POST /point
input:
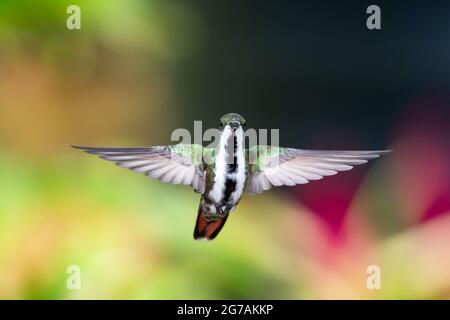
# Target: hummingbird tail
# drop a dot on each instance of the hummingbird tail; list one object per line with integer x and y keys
{"x": 207, "y": 229}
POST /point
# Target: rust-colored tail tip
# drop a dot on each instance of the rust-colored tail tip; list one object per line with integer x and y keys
{"x": 208, "y": 230}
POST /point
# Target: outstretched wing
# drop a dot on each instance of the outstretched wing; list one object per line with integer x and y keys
{"x": 177, "y": 164}
{"x": 273, "y": 166}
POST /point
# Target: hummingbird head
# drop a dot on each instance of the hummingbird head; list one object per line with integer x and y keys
{"x": 233, "y": 120}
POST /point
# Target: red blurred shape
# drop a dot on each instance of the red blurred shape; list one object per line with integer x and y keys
{"x": 330, "y": 198}
{"x": 421, "y": 170}
{"x": 440, "y": 205}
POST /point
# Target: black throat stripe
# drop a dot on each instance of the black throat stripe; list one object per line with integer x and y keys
{"x": 230, "y": 182}
{"x": 232, "y": 167}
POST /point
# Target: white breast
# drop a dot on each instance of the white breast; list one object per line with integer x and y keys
{"x": 216, "y": 193}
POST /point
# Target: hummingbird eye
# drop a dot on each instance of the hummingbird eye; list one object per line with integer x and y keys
{"x": 221, "y": 126}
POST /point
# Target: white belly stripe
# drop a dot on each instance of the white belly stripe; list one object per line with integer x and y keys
{"x": 240, "y": 173}
{"x": 216, "y": 193}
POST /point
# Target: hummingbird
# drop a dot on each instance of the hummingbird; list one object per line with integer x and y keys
{"x": 223, "y": 173}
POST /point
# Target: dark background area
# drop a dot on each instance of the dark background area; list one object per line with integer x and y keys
{"x": 314, "y": 69}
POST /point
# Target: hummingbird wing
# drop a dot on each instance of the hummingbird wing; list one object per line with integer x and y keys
{"x": 273, "y": 166}
{"x": 176, "y": 164}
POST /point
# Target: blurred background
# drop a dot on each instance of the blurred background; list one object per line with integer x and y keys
{"x": 139, "y": 69}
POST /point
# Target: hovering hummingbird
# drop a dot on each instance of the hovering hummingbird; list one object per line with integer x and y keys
{"x": 221, "y": 174}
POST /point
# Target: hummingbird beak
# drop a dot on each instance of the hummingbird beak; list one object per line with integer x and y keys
{"x": 234, "y": 125}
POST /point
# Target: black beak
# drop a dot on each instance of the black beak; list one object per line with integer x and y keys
{"x": 234, "y": 125}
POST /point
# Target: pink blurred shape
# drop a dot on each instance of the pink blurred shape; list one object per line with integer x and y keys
{"x": 330, "y": 198}
{"x": 421, "y": 166}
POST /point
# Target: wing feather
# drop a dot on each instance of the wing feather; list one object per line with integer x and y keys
{"x": 288, "y": 166}
{"x": 178, "y": 175}
{"x": 177, "y": 164}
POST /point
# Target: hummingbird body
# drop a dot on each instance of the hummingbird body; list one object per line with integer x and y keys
{"x": 225, "y": 183}
{"x": 228, "y": 171}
